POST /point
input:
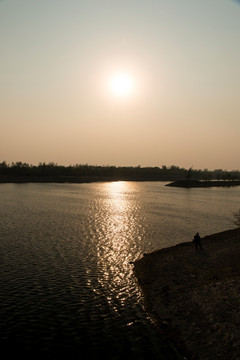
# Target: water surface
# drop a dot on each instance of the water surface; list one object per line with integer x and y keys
{"x": 67, "y": 283}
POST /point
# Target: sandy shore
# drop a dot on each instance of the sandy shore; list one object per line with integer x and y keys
{"x": 194, "y": 296}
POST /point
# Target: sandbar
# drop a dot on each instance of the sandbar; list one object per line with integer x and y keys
{"x": 194, "y": 296}
{"x": 203, "y": 184}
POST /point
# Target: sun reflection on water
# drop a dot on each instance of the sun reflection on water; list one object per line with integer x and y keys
{"x": 120, "y": 228}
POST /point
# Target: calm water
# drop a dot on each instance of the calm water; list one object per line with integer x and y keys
{"x": 67, "y": 283}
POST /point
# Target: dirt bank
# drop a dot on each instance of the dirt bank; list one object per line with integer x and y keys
{"x": 194, "y": 296}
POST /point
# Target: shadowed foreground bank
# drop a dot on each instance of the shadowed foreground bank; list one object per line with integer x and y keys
{"x": 193, "y": 296}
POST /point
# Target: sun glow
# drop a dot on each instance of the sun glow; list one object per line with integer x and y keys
{"x": 122, "y": 84}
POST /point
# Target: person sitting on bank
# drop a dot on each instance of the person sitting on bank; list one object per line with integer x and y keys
{"x": 197, "y": 241}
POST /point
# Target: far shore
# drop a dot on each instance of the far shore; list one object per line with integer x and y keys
{"x": 49, "y": 179}
{"x": 91, "y": 179}
{"x": 193, "y": 296}
{"x": 203, "y": 183}
{"x": 72, "y": 179}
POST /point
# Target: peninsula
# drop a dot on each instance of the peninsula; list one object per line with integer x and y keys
{"x": 193, "y": 296}
{"x": 198, "y": 183}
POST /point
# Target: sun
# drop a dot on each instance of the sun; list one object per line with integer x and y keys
{"x": 121, "y": 84}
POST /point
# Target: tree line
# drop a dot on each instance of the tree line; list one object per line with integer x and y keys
{"x": 164, "y": 173}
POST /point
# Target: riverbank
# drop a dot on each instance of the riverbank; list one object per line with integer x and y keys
{"x": 193, "y": 296}
{"x": 50, "y": 179}
{"x": 74, "y": 179}
{"x": 202, "y": 184}
{"x": 91, "y": 179}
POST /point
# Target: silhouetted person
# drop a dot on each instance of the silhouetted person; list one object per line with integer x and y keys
{"x": 197, "y": 241}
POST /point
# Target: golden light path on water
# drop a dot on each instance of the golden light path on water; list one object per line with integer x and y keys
{"x": 66, "y": 251}
{"x": 121, "y": 229}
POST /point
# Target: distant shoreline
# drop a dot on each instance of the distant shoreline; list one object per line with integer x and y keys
{"x": 203, "y": 184}
{"x": 20, "y": 172}
{"x": 48, "y": 179}
{"x": 71, "y": 179}
{"x": 193, "y": 296}
{"x": 92, "y": 179}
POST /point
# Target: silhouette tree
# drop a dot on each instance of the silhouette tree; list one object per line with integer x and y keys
{"x": 171, "y": 173}
{"x": 189, "y": 173}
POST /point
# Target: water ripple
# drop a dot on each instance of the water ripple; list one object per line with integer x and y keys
{"x": 67, "y": 280}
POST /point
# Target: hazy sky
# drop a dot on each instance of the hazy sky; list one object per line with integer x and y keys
{"x": 177, "y": 101}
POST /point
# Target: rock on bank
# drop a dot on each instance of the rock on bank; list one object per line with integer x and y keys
{"x": 194, "y": 297}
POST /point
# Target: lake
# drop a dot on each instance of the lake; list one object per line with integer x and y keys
{"x": 67, "y": 282}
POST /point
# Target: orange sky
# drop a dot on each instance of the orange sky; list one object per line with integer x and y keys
{"x": 58, "y": 59}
